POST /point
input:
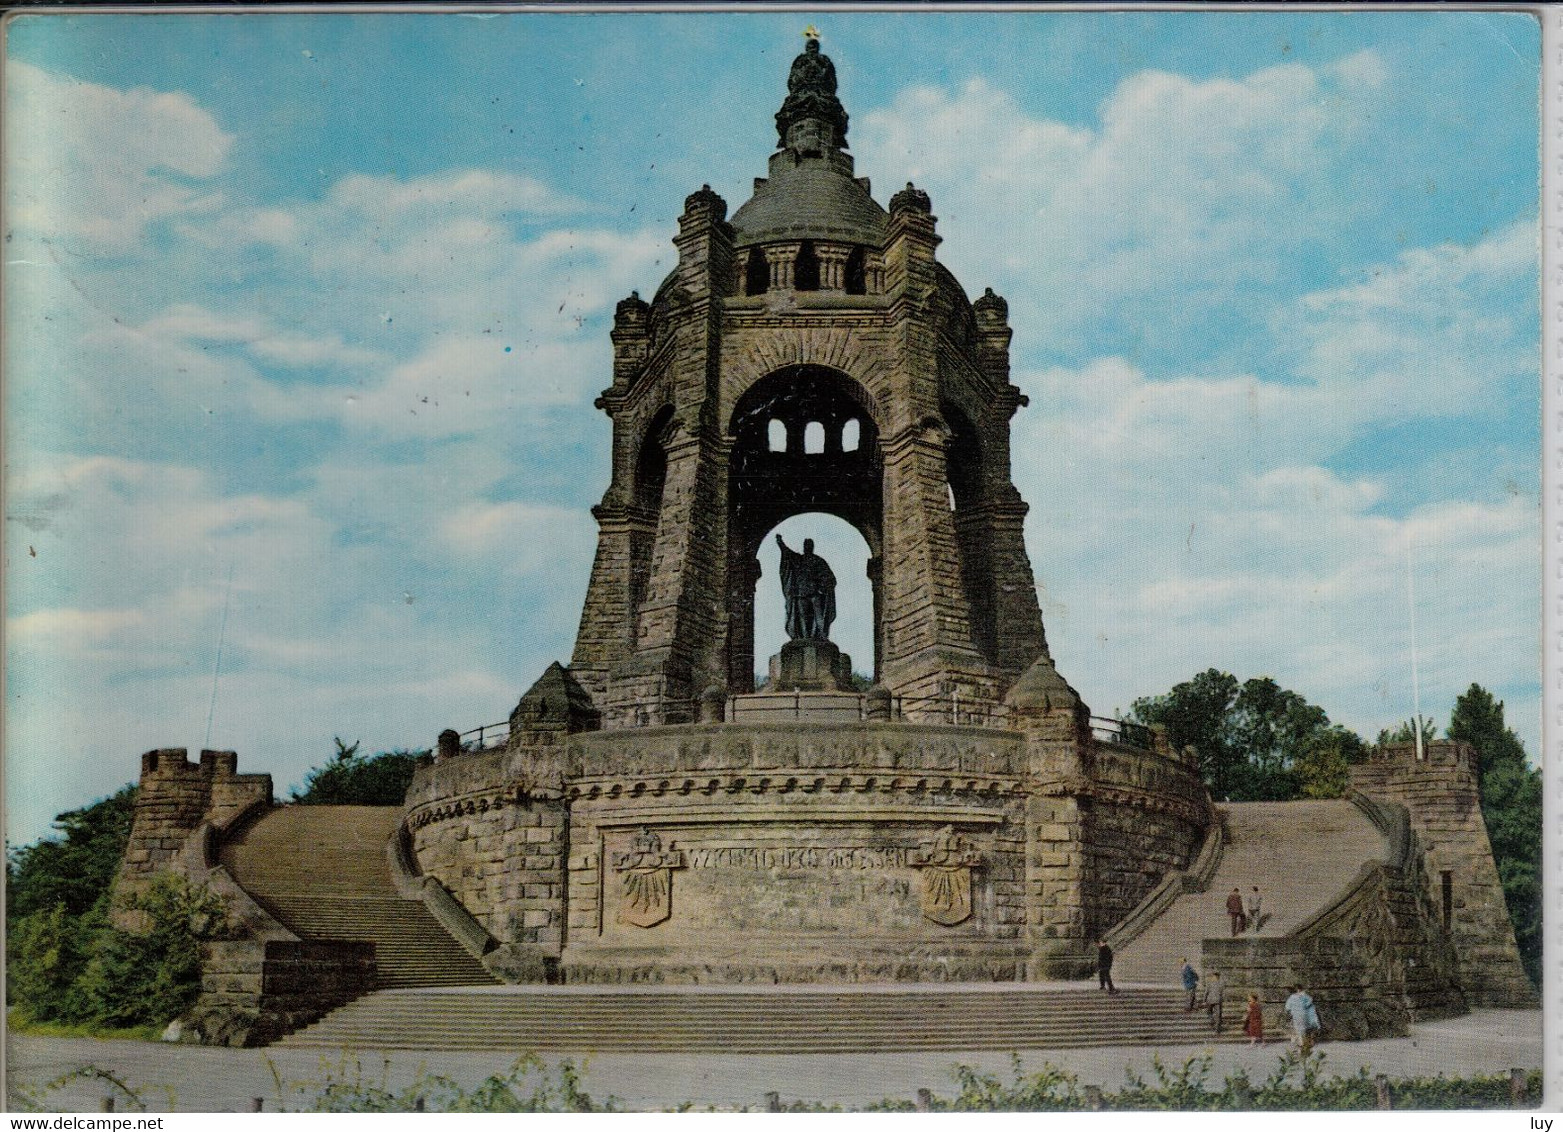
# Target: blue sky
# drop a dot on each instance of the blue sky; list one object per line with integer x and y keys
{"x": 320, "y": 303}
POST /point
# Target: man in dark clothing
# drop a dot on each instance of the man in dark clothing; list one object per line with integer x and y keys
{"x": 1104, "y": 966}
{"x": 1235, "y": 910}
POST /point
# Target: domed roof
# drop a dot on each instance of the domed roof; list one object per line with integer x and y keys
{"x": 810, "y": 200}
{"x": 810, "y": 192}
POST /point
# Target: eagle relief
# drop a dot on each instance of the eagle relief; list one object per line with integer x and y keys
{"x": 946, "y": 863}
{"x": 647, "y": 874}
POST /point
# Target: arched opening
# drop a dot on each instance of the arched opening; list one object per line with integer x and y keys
{"x": 839, "y": 544}
{"x": 757, "y": 273}
{"x": 855, "y": 281}
{"x": 768, "y": 488}
{"x": 651, "y": 471}
{"x": 813, "y": 438}
{"x": 805, "y": 270}
{"x": 850, "y": 435}
{"x": 777, "y": 436}
{"x": 965, "y": 475}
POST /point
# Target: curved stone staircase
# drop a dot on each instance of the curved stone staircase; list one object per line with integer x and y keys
{"x": 1302, "y": 855}
{"x": 322, "y": 871}
{"x": 771, "y": 1020}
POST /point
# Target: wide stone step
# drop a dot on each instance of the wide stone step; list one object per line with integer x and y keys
{"x": 1301, "y": 854}
{"x": 707, "y": 1020}
{"x": 322, "y": 872}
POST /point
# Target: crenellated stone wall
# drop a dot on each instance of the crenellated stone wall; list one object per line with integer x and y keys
{"x": 175, "y": 796}
{"x": 1440, "y": 792}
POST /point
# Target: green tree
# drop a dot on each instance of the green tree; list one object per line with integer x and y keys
{"x": 1195, "y": 715}
{"x": 1324, "y": 770}
{"x": 1253, "y": 739}
{"x": 1406, "y": 733}
{"x": 351, "y": 779}
{"x": 57, "y": 894}
{"x": 152, "y": 976}
{"x": 1511, "y": 808}
{"x": 76, "y": 867}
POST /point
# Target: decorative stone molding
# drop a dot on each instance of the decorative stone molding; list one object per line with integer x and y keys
{"x": 830, "y": 783}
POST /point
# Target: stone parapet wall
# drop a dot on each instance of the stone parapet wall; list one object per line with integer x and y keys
{"x": 496, "y": 847}
{"x": 1372, "y": 962}
{"x": 254, "y": 992}
{"x": 1440, "y": 792}
{"x": 805, "y": 851}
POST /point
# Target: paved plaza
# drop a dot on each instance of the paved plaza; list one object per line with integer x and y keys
{"x": 208, "y": 1079}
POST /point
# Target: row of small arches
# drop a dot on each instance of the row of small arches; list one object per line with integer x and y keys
{"x": 813, "y": 436}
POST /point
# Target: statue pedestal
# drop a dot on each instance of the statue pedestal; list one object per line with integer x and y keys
{"x": 811, "y": 666}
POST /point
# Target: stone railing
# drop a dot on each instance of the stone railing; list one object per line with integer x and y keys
{"x": 1196, "y": 878}
{"x": 1122, "y": 733}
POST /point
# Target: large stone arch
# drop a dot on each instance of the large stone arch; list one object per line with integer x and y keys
{"x": 839, "y": 348}
{"x": 768, "y": 485}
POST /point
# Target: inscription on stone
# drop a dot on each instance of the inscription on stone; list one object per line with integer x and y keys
{"x": 799, "y": 857}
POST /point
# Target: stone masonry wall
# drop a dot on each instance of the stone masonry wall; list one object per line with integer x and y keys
{"x": 254, "y": 992}
{"x": 496, "y": 846}
{"x": 1126, "y": 851}
{"x": 1440, "y": 792}
{"x": 176, "y": 796}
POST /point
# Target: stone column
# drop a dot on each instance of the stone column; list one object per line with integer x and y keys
{"x": 1056, "y": 723}
{"x": 782, "y": 259}
{"x": 832, "y": 266}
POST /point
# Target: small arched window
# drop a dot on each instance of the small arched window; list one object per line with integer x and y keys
{"x": 949, "y": 489}
{"x": 805, "y": 270}
{"x": 813, "y": 438}
{"x": 776, "y": 434}
{"x": 851, "y": 433}
{"x": 757, "y": 273}
{"x": 856, "y": 276}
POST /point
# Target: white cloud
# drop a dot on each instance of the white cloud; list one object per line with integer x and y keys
{"x": 95, "y": 164}
{"x": 1187, "y": 522}
{"x": 1184, "y": 196}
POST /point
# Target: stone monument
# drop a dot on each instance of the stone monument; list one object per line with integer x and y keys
{"x": 652, "y": 818}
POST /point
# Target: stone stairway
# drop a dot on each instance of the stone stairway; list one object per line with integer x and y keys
{"x": 1300, "y": 854}
{"x": 770, "y": 1021}
{"x": 322, "y": 871}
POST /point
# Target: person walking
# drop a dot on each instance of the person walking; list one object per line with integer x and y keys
{"x": 1190, "y": 979}
{"x": 1235, "y": 910}
{"x": 1311, "y": 1031}
{"x": 1255, "y": 903}
{"x": 1212, "y": 999}
{"x": 1254, "y": 1021}
{"x": 1299, "y": 1008}
{"x": 1104, "y": 966}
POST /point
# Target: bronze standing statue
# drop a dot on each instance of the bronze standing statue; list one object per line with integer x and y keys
{"x": 810, "y": 590}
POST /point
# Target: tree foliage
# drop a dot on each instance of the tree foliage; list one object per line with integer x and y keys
{"x": 76, "y": 868}
{"x": 1255, "y": 741}
{"x": 351, "y": 779}
{"x": 149, "y": 977}
{"x": 1511, "y": 808}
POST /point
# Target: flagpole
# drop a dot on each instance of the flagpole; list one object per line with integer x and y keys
{"x": 1416, "y": 682}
